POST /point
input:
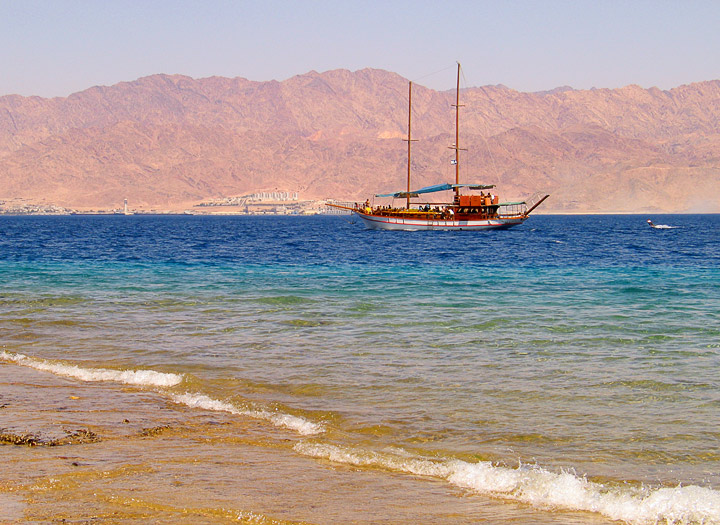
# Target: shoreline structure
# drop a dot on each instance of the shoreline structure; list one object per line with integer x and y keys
{"x": 15, "y": 207}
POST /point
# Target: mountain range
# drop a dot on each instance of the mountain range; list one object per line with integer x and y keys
{"x": 170, "y": 141}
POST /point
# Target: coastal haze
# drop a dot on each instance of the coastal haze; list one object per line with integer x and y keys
{"x": 171, "y": 142}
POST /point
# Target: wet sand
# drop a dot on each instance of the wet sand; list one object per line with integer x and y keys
{"x": 104, "y": 452}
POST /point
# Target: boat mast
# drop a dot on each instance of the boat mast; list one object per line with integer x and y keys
{"x": 456, "y": 146}
{"x": 409, "y": 141}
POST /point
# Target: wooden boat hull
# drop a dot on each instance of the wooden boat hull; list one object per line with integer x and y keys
{"x": 384, "y": 222}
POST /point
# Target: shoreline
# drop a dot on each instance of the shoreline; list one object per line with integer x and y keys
{"x": 156, "y": 460}
{"x": 156, "y": 213}
{"x": 19, "y": 207}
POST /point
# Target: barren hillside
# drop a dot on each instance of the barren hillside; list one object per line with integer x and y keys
{"x": 172, "y": 141}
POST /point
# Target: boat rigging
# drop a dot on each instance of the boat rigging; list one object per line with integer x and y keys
{"x": 465, "y": 212}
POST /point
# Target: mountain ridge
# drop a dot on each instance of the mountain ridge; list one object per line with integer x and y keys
{"x": 168, "y": 141}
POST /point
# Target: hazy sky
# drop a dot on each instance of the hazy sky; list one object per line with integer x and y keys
{"x": 57, "y": 47}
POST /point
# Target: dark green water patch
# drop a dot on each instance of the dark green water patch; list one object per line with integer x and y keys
{"x": 284, "y": 300}
{"x": 304, "y": 323}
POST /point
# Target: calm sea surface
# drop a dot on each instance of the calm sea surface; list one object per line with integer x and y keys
{"x": 570, "y": 364}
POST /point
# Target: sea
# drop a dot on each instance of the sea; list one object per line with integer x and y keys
{"x": 292, "y": 369}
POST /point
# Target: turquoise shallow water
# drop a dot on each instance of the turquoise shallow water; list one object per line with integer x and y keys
{"x": 579, "y": 351}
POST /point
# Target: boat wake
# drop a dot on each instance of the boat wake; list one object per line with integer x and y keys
{"x": 660, "y": 226}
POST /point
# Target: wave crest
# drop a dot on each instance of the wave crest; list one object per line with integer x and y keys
{"x": 541, "y": 488}
{"x": 164, "y": 380}
{"x": 298, "y": 424}
{"x": 129, "y": 377}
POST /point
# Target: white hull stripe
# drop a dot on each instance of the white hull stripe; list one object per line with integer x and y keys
{"x": 398, "y": 223}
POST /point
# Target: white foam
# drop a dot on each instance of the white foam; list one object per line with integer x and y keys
{"x": 544, "y": 489}
{"x": 298, "y": 424}
{"x": 163, "y": 380}
{"x": 364, "y": 458}
{"x": 130, "y": 377}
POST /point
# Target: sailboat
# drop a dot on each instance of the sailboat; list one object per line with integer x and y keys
{"x": 464, "y": 212}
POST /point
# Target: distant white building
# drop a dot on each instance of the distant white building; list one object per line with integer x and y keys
{"x": 274, "y": 196}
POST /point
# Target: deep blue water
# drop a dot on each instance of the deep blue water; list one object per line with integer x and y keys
{"x": 543, "y": 241}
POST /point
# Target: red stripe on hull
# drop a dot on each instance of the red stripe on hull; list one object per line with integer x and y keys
{"x": 380, "y": 222}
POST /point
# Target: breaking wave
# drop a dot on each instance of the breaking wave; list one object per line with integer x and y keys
{"x": 161, "y": 380}
{"x": 543, "y": 489}
{"x": 129, "y": 377}
{"x": 298, "y": 424}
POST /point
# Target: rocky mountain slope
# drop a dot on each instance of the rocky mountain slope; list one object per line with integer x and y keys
{"x": 171, "y": 141}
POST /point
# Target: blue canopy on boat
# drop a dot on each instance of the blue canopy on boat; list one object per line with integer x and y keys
{"x": 435, "y": 188}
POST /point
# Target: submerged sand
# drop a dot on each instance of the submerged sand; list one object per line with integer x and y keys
{"x": 104, "y": 452}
